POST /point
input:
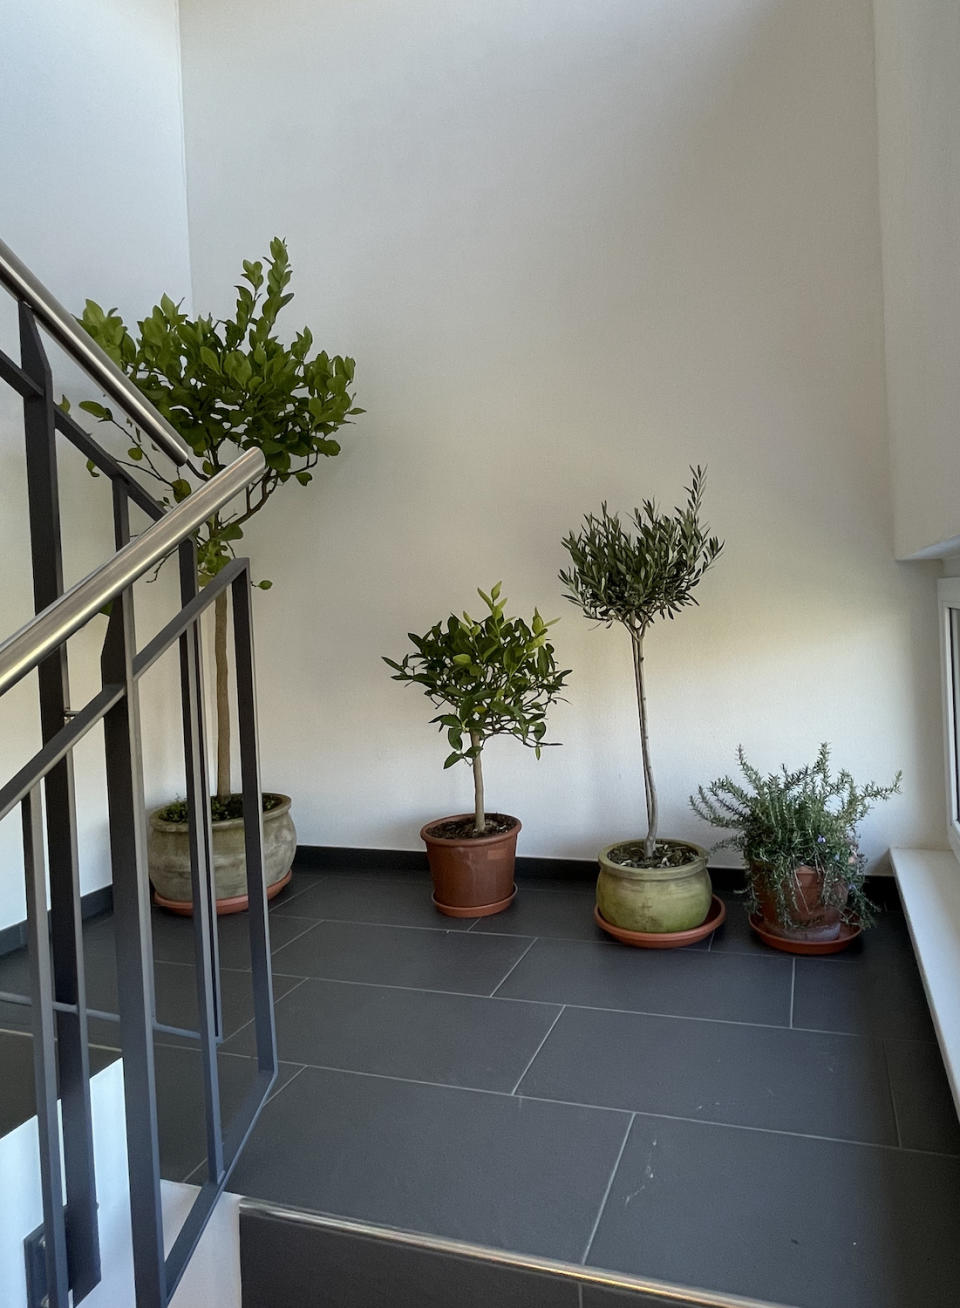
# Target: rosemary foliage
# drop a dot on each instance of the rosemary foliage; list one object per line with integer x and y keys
{"x": 788, "y": 820}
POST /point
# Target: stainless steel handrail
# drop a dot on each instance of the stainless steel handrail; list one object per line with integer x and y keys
{"x": 581, "y": 1273}
{"x": 63, "y": 327}
{"x": 41, "y": 635}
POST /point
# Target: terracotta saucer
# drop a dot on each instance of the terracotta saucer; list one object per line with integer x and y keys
{"x": 234, "y": 904}
{"x": 476, "y": 910}
{"x": 666, "y": 939}
{"x": 848, "y": 933}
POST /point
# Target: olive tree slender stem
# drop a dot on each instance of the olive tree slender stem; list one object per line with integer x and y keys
{"x": 650, "y": 790}
{"x": 479, "y": 822}
{"x": 223, "y": 695}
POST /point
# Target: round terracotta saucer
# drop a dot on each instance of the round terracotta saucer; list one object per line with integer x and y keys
{"x": 848, "y": 933}
{"x": 476, "y": 910}
{"x": 234, "y": 904}
{"x": 666, "y": 939}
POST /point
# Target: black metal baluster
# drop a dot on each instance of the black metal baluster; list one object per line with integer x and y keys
{"x": 133, "y": 941}
{"x": 44, "y": 1053}
{"x": 201, "y": 865}
{"x": 253, "y": 824}
{"x": 65, "y": 903}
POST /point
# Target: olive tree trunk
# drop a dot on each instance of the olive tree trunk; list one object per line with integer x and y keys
{"x": 650, "y": 790}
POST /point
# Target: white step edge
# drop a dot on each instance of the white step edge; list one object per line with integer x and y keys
{"x": 929, "y": 882}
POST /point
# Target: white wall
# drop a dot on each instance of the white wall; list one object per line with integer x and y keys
{"x": 574, "y": 248}
{"x": 918, "y": 104}
{"x": 94, "y": 202}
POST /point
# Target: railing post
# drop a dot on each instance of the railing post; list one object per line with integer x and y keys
{"x": 65, "y": 913}
{"x": 206, "y": 954}
{"x": 44, "y": 1054}
{"x": 253, "y": 824}
{"x": 133, "y": 942}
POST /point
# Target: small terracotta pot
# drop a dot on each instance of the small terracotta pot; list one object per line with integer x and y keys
{"x": 472, "y": 877}
{"x": 816, "y": 922}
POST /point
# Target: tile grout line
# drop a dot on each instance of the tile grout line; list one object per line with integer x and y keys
{"x": 892, "y": 1093}
{"x": 607, "y": 1108}
{"x": 606, "y": 1193}
{"x": 250, "y": 1021}
{"x": 270, "y": 1098}
{"x": 538, "y": 1048}
{"x": 493, "y": 992}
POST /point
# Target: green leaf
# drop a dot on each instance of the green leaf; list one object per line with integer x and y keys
{"x": 264, "y": 585}
{"x": 450, "y": 760}
{"x": 135, "y": 453}
{"x": 181, "y": 489}
{"x": 97, "y": 410}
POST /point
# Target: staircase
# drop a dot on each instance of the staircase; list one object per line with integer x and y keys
{"x": 63, "y": 1259}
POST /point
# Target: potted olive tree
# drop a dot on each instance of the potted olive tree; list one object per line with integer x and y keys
{"x": 227, "y": 385}
{"x": 493, "y": 676}
{"x": 797, "y": 832}
{"x": 651, "y": 886}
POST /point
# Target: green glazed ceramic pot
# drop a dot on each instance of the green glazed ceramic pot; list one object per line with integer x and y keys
{"x": 658, "y": 898}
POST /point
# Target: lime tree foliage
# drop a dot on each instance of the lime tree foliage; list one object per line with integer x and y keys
{"x": 633, "y": 575}
{"x": 492, "y": 676}
{"x": 227, "y": 385}
{"x": 786, "y": 820}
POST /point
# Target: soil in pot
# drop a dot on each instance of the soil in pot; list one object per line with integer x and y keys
{"x": 472, "y": 873}
{"x": 674, "y": 895}
{"x": 168, "y": 849}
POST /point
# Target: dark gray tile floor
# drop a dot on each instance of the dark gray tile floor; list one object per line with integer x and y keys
{"x": 723, "y": 1116}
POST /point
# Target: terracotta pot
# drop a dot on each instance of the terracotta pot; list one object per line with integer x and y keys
{"x": 168, "y": 856}
{"x": 816, "y": 922}
{"x": 472, "y": 877}
{"x": 654, "y": 899}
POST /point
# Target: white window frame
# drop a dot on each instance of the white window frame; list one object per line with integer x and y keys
{"x": 948, "y": 591}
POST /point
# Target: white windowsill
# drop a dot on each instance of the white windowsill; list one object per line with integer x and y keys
{"x": 929, "y": 881}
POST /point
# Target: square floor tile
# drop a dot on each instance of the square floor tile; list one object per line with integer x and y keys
{"x": 493, "y": 1169}
{"x": 925, "y": 1110}
{"x": 883, "y": 996}
{"x": 181, "y": 1116}
{"x": 417, "y": 1034}
{"x": 173, "y": 940}
{"x": 566, "y": 913}
{"x": 279, "y": 1262}
{"x": 402, "y": 956}
{"x": 814, "y": 1223}
{"x": 392, "y": 900}
{"x": 769, "y": 1077}
{"x": 684, "y": 983}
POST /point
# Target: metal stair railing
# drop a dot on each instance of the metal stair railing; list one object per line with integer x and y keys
{"x": 44, "y": 790}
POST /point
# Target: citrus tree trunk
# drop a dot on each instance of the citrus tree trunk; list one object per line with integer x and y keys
{"x": 650, "y": 790}
{"x": 479, "y": 820}
{"x": 223, "y": 695}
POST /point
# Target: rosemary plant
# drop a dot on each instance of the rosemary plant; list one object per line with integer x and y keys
{"x": 789, "y": 820}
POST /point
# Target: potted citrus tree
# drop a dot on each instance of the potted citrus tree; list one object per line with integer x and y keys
{"x": 491, "y": 676}
{"x": 797, "y": 832}
{"x": 649, "y": 886}
{"x": 227, "y": 385}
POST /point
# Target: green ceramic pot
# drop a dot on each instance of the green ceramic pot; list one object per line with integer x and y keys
{"x": 658, "y": 898}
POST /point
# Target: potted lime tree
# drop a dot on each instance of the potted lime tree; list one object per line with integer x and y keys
{"x": 227, "y": 385}
{"x": 654, "y": 890}
{"x": 797, "y": 832}
{"x": 493, "y": 676}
